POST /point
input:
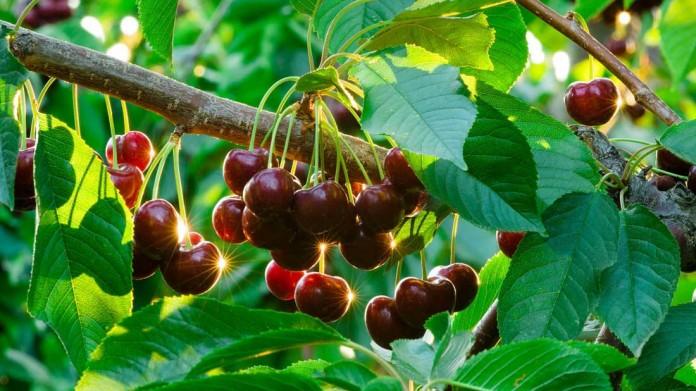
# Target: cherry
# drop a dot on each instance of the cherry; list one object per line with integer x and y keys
{"x": 592, "y": 103}
{"x": 663, "y": 182}
{"x": 25, "y": 196}
{"x": 385, "y": 325}
{"x": 635, "y": 111}
{"x": 668, "y": 161}
{"x": 325, "y": 297}
{"x": 302, "y": 254}
{"x": 619, "y": 47}
{"x": 399, "y": 172}
{"x": 270, "y": 191}
{"x": 282, "y": 282}
{"x": 34, "y": 20}
{"x": 691, "y": 181}
{"x": 687, "y": 250}
{"x": 133, "y": 148}
{"x": 227, "y": 219}
{"x": 54, "y": 10}
{"x": 323, "y": 209}
{"x": 508, "y": 241}
{"x": 270, "y": 232}
{"x": 195, "y": 270}
{"x": 414, "y": 202}
{"x": 366, "y": 250}
{"x": 301, "y": 171}
{"x": 143, "y": 265}
{"x": 155, "y": 229}
{"x": 344, "y": 119}
{"x": 417, "y": 300}
{"x": 380, "y": 208}
{"x": 128, "y": 180}
{"x": 241, "y": 165}
{"x": 465, "y": 281}
{"x": 357, "y": 187}
{"x": 195, "y": 238}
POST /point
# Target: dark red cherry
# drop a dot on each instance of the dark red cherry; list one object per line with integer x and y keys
{"x": 155, "y": 229}
{"x": 195, "y": 238}
{"x": 301, "y": 171}
{"x": 344, "y": 119}
{"x": 301, "y": 254}
{"x": 668, "y": 161}
{"x": 687, "y": 250}
{"x": 592, "y": 103}
{"x": 133, "y": 148}
{"x": 270, "y": 191}
{"x": 195, "y": 270}
{"x": 282, "y": 282}
{"x": 385, "y": 325}
{"x": 691, "y": 181}
{"x": 414, "y": 202}
{"x": 270, "y": 232}
{"x": 240, "y": 165}
{"x": 325, "y": 297}
{"x": 417, "y": 300}
{"x": 34, "y": 20}
{"x": 663, "y": 182}
{"x": 227, "y": 219}
{"x": 25, "y": 197}
{"x": 508, "y": 241}
{"x": 465, "y": 281}
{"x": 366, "y": 250}
{"x": 323, "y": 209}
{"x": 399, "y": 172}
{"x": 380, "y": 208}
{"x": 128, "y": 180}
{"x": 54, "y": 11}
{"x": 143, "y": 265}
{"x": 619, "y": 47}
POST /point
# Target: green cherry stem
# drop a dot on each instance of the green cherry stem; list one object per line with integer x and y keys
{"x": 264, "y": 99}
{"x": 126, "y": 119}
{"x": 424, "y": 267}
{"x": 180, "y": 189}
{"x": 629, "y": 140}
{"x": 334, "y": 22}
{"x": 23, "y": 16}
{"x": 286, "y": 146}
{"x": 663, "y": 172}
{"x": 276, "y": 125}
{"x": 317, "y": 141}
{"x": 112, "y": 129}
{"x": 278, "y": 116}
{"x": 453, "y": 239}
{"x": 361, "y": 167}
{"x": 45, "y": 89}
{"x": 399, "y": 265}
{"x": 22, "y": 108}
{"x": 160, "y": 170}
{"x": 310, "y": 52}
{"x": 162, "y": 154}
{"x": 76, "y": 108}
{"x": 334, "y": 134}
{"x": 34, "y": 105}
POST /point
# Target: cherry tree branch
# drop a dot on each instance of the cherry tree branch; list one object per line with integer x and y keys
{"x": 196, "y": 111}
{"x": 572, "y": 29}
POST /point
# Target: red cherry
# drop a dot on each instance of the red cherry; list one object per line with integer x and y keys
{"x": 668, "y": 161}
{"x": 686, "y": 249}
{"x": 691, "y": 181}
{"x": 241, "y": 165}
{"x": 417, "y": 300}
{"x": 271, "y": 232}
{"x": 155, "y": 229}
{"x": 282, "y": 282}
{"x": 414, "y": 202}
{"x": 663, "y": 182}
{"x": 25, "y": 196}
{"x": 380, "y": 208}
{"x": 193, "y": 271}
{"x": 128, "y": 180}
{"x": 344, "y": 119}
{"x": 302, "y": 254}
{"x": 34, "y": 20}
{"x": 54, "y": 11}
{"x": 592, "y": 103}
{"x": 270, "y": 192}
{"x": 399, "y": 172}
{"x": 465, "y": 281}
{"x": 385, "y": 325}
{"x": 301, "y": 171}
{"x": 323, "y": 209}
{"x": 508, "y": 241}
{"x": 227, "y": 219}
{"x": 367, "y": 250}
{"x": 143, "y": 265}
{"x": 133, "y": 148}
{"x": 325, "y": 297}
{"x": 195, "y": 238}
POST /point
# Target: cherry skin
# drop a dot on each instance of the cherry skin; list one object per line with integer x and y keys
{"x": 282, "y": 282}
{"x": 270, "y": 191}
{"x": 668, "y": 161}
{"x": 509, "y": 241}
{"x": 465, "y": 281}
{"x": 592, "y": 103}
{"x": 380, "y": 208}
{"x": 663, "y": 182}
{"x": 271, "y": 232}
{"x": 344, "y": 119}
{"x": 366, "y": 250}
{"x": 227, "y": 219}
{"x": 325, "y": 297}
{"x": 195, "y": 270}
{"x": 302, "y": 254}
{"x": 54, "y": 10}
{"x": 417, "y": 300}
{"x": 399, "y": 172}
{"x": 25, "y": 196}
{"x": 128, "y": 180}
{"x": 687, "y": 251}
{"x": 301, "y": 171}
{"x": 385, "y": 325}
{"x": 195, "y": 238}
{"x": 155, "y": 229}
{"x": 414, "y": 202}
{"x": 133, "y": 148}
{"x": 143, "y": 265}
{"x": 691, "y": 181}
{"x": 323, "y": 209}
{"x": 241, "y": 165}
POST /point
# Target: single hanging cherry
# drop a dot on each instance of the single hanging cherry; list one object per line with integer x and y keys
{"x": 592, "y": 103}
{"x": 133, "y": 148}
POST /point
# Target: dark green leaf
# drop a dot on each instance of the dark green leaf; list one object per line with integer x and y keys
{"x": 383, "y": 384}
{"x": 642, "y": 280}
{"x": 417, "y": 232}
{"x": 348, "y": 374}
{"x": 607, "y": 357}
{"x": 552, "y": 284}
{"x": 304, "y": 6}
{"x": 81, "y": 278}
{"x": 413, "y": 358}
{"x": 427, "y": 8}
{"x": 677, "y": 29}
{"x": 320, "y": 79}
{"x": 681, "y": 139}
{"x": 450, "y": 354}
{"x": 268, "y": 381}
{"x": 591, "y": 8}
{"x": 157, "y": 19}
{"x": 11, "y": 71}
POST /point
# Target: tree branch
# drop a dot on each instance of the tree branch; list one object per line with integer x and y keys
{"x": 571, "y": 29}
{"x": 194, "y": 110}
{"x": 486, "y": 333}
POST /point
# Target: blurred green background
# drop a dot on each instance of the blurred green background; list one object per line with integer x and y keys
{"x": 258, "y": 42}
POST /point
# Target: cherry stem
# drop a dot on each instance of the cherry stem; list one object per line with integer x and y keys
{"x": 335, "y": 135}
{"x": 293, "y": 168}
{"x": 279, "y": 114}
{"x": 334, "y": 23}
{"x": 349, "y": 42}
{"x": 622, "y": 197}
{"x": 160, "y": 170}
{"x": 637, "y": 158}
{"x": 309, "y": 169}
{"x": 608, "y": 175}
{"x": 357, "y": 161}
{"x": 112, "y": 129}
{"x": 180, "y": 189}
{"x": 310, "y": 31}
{"x": 663, "y": 172}
{"x": 322, "y": 260}
{"x": 22, "y": 108}
{"x": 76, "y": 108}
{"x": 264, "y": 99}
{"x": 288, "y": 136}
{"x": 23, "y": 15}
{"x": 399, "y": 265}
{"x": 148, "y": 174}
{"x": 576, "y": 17}
{"x": 453, "y": 240}
{"x": 45, "y": 89}
{"x": 317, "y": 140}
{"x": 629, "y": 140}
{"x": 331, "y": 60}
{"x": 276, "y": 125}
{"x": 126, "y": 119}
{"x": 34, "y": 105}
{"x": 424, "y": 268}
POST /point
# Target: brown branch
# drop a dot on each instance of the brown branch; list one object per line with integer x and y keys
{"x": 486, "y": 333}
{"x": 194, "y": 110}
{"x": 571, "y": 29}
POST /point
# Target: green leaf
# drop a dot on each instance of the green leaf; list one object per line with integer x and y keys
{"x": 607, "y": 357}
{"x": 249, "y": 382}
{"x": 677, "y": 29}
{"x": 491, "y": 279}
{"x": 356, "y": 19}
{"x": 418, "y": 101}
{"x": 564, "y": 164}
{"x": 672, "y": 346}
{"x": 413, "y": 358}
{"x": 681, "y": 140}
{"x": 588, "y": 9}
{"x": 11, "y": 71}
{"x": 304, "y": 6}
{"x": 450, "y": 354}
{"x": 81, "y": 277}
{"x": 509, "y": 51}
{"x": 540, "y": 364}
{"x": 348, "y": 375}
{"x": 426, "y": 8}
{"x": 462, "y": 41}
{"x": 417, "y": 232}
{"x": 317, "y": 80}
{"x": 171, "y": 336}
{"x": 628, "y": 3}
{"x": 552, "y": 283}
{"x": 642, "y": 280}
{"x": 383, "y": 384}
{"x": 157, "y": 19}
{"x": 687, "y": 374}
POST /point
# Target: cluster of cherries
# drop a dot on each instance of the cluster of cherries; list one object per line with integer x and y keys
{"x": 47, "y": 12}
